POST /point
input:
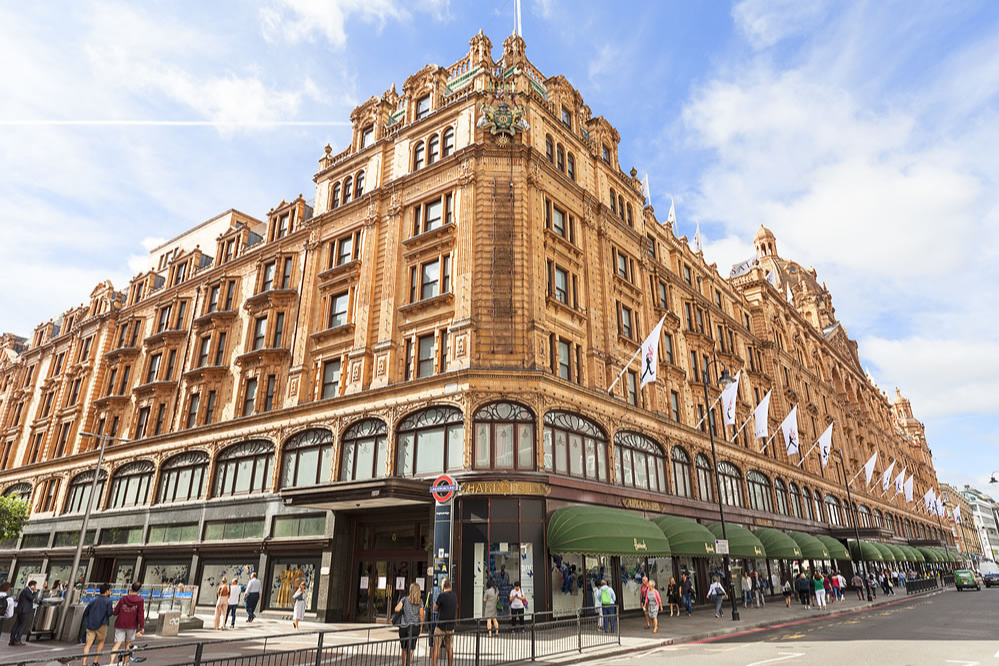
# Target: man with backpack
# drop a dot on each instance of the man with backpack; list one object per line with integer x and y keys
{"x": 6, "y": 602}
{"x": 95, "y": 620}
{"x": 607, "y": 601}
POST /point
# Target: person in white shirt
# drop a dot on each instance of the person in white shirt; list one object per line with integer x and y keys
{"x": 235, "y": 589}
{"x": 252, "y": 596}
{"x": 6, "y": 602}
{"x": 716, "y": 593}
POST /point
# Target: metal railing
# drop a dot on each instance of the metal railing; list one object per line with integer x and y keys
{"x": 542, "y": 635}
{"x": 947, "y": 579}
{"x": 920, "y": 585}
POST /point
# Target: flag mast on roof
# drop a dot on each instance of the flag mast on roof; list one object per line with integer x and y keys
{"x": 518, "y": 28}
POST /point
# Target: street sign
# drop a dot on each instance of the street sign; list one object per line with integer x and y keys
{"x": 721, "y": 546}
{"x": 443, "y": 488}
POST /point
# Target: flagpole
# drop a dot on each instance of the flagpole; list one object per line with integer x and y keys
{"x": 809, "y": 451}
{"x": 768, "y": 442}
{"x": 744, "y": 424}
{"x": 626, "y": 366}
{"x": 703, "y": 418}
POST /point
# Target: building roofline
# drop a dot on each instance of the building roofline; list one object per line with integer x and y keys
{"x": 202, "y": 225}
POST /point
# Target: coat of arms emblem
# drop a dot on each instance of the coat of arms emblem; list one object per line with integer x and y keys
{"x": 502, "y": 118}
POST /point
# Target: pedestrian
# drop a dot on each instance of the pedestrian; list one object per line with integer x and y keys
{"x": 22, "y": 608}
{"x": 759, "y": 591}
{"x": 596, "y": 606}
{"x": 299, "y": 598}
{"x": 889, "y": 588}
{"x": 716, "y": 593}
{"x": 804, "y": 591}
{"x": 872, "y": 585}
{"x": 834, "y": 579}
{"x": 96, "y": 616}
{"x": 786, "y": 589}
{"x": 687, "y": 592}
{"x": 489, "y": 600}
{"x": 221, "y": 604}
{"x": 643, "y": 594}
{"x": 447, "y": 610}
{"x": 654, "y": 602}
{"x": 842, "y": 584}
{"x": 673, "y": 596}
{"x": 518, "y": 602}
{"x": 235, "y": 590}
{"x": 7, "y": 602}
{"x": 858, "y": 583}
{"x": 607, "y": 601}
{"x": 412, "y": 621}
{"x": 818, "y": 584}
{"x": 747, "y": 589}
{"x": 827, "y": 586}
{"x": 252, "y": 596}
{"x": 130, "y": 618}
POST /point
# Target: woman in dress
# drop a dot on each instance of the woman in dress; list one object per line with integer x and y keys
{"x": 673, "y": 597}
{"x": 489, "y": 600}
{"x": 299, "y": 598}
{"x": 786, "y": 589}
{"x": 221, "y": 604}
{"x": 412, "y": 620}
{"x": 653, "y": 602}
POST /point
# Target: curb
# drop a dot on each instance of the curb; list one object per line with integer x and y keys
{"x": 717, "y": 633}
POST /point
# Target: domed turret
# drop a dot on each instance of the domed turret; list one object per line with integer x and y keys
{"x": 765, "y": 243}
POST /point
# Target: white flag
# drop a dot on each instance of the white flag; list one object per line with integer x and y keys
{"x": 790, "y": 296}
{"x": 939, "y": 506}
{"x": 760, "y": 417}
{"x": 671, "y": 218}
{"x": 771, "y": 278}
{"x": 899, "y": 481}
{"x": 908, "y": 490}
{"x": 698, "y": 245}
{"x": 744, "y": 267}
{"x": 886, "y": 477}
{"x": 929, "y": 498}
{"x": 790, "y": 428}
{"x": 650, "y": 354}
{"x": 869, "y": 468}
{"x": 825, "y": 445}
{"x": 957, "y": 515}
{"x": 728, "y": 398}
{"x": 645, "y": 189}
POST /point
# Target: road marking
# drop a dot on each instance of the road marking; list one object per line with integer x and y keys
{"x": 963, "y": 663}
{"x": 791, "y": 637}
{"x": 781, "y": 658}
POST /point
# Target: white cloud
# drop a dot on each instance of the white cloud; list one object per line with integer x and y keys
{"x": 301, "y": 20}
{"x": 604, "y": 62}
{"x": 766, "y": 22}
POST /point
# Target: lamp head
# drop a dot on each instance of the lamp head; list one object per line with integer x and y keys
{"x": 725, "y": 378}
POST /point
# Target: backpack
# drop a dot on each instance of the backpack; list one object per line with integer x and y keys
{"x": 3, "y": 606}
{"x": 605, "y": 596}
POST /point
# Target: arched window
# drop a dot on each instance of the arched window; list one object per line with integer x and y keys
{"x": 130, "y": 484}
{"x": 348, "y": 189}
{"x": 418, "y": 152}
{"x": 780, "y": 493}
{"x": 890, "y": 522}
{"x": 182, "y": 477}
{"x": 79, "y": 491}
{"x": 639, "y": 462}
{"x": 433, "y": 148}
{"x": 705, "y": 481}
{"x": 364, "y": 448}
{"x": 631, "y": 221}
{"x": 613, "y": 200}
{"x": 681, "y": 472}
{"x": 504, "y": 437}
{"x": 620, "y": 206}
{"x": 729, "y": 484}
{"x": 560, "y": 158}
{"x": 817, "y": 505}
{"x": 806, "y": 503}
{"x": 307, "y": 458}
{"x": 549, "y": 148}
{"x": 877, "y": 518}
{"x": 22, "y": 491}
{"x": 448, "y": 143}
{"x": 834, "y": 513}
{"x": 431, "y": 442}
{"x": 359, "y": 184}
{"x": 864, "y": 513}
{"x": 335, "y": 196}
{"x": 571, "y": 167}
{"x": 244, "y": 468}
{"x": 795, "y": 500}
{"x": 575, "y": 445}
{"x": 758, "y": 489}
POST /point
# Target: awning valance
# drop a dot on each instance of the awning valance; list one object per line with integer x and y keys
{"x": 912, "y": 555}
{"x": 593, "y": 530}
{"x": 930, "y": 554}
{"x": 778, "y": 544}
{"x": 900, "y": 556}
{"x": 741, "y": 542}
{"x": 686, "y": 537}
{"x": 885, "y": 551}
{"x": 811, "y": 548}
{"x": 868, "y": 551}
{"x": 837, "y": 551}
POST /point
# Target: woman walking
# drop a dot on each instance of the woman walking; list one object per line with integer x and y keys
{"x": 299, "y": 599}
{"x": 786, "y": 589}
{"x": 412, "y": 620}
{"x": 716, "y": 593}
{"x": 653, "y": 602}
{"x": 673, "y": 597}
{"x": 818, "y": 583}
{"x": 221, "y": 604}
{"x": 489, "y": 600}
{"x": 804, "y": 591}
{"x": 747, "y": 589}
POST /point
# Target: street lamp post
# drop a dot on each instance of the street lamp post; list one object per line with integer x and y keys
{"x": 724, "y": 379}
{"x": 856, "y": 530}
{"x": 993, "y": 477}
{"x": 68, "y": 600}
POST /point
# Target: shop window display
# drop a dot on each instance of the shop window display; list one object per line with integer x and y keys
{"x": 166, "y": 573}
{"x": 212, "y": 573}
{"x": 60, "y": 571}
{"x": 629, "y": 592}
{"x": 26, "y": 571}
{"x": 286, "y": 576}
{"x": 506, "y": 564}
{"x": 124, "y": 574}
{"x": 568, "y": 584}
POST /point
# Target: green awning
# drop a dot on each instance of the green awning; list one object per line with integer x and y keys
{"x": 930, "y": 554}
{"x": 896, "y": 551}
{"x": 778, "y": 544}
{"x": 885, "y": 551}
{"x": 592, "y": 530}
{"x": 811, "y": 548}
{"x": 913, "y": 555}
{"x": 741, "y": 542}
{"x": 686, "y": 537}
{"x": 947, "y": 555}
{"x": 868, "y": 551}
{"x": 837, "y": 551}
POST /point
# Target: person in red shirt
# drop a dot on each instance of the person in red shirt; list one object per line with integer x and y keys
{"x": 130, "y": 618}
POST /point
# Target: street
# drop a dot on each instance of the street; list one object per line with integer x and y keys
{"x": 948, "y": 628}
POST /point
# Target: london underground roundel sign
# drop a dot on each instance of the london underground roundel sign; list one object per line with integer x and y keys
{"x": 443, "y": 488}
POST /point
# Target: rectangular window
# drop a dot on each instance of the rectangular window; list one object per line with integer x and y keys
{"x": 718, "y": 300}
{"x": 344, "y": 250}
{"x": 47, "y": 405}
{"x": 269, "y": 394}
{"x": 434, "y": 215}
{"x": 249, "y": 396}
{"x": 446, "y": 274}
{"x": 63, "y": 439}
{"x": 85, "y": 350}
{"x": 686, "y": 275}
{"x": 140, "y": 426}
{"x": 700, "y": 417}
{"x": 154, "y": 367}
{"x": 668, "y": 347}
{"x": 442, "y": 360}
{"x": 408, "y": 360}
{"x": 267, "y": 279}
{"x": 430, "y": 279}
{"x": 282, "y": 226}
{"x": 213, "y": 298}
{"x": 171, "y": 361}
{"x": 425, "y": 362}
{"x": 566, "y": 117}
{"x": 210, "y": 408}
{"x": 160, "y": 415}
{"x": 622, "y": 265}
{"x": 693, "y": 366}
{"x": 220, "y": 349}
{"x": 164, "y": 320}
{"x": 75, "y": 393}
{"x": 564, "y": 366}
{"x": 180, "y": 275}
{"x": 367, "y": 136}
{"x": 259, "y": 331}
{"x": 626, "y": 324}
{"x": 661, "y": 296}
{"x": 338, "y": 311}
{"x": 124, "y": 380}
{"x": 278, "y": 329}
{"x": 230, "y": 294}
{"x": 331, "y": 378}
{"x": 674, "y": 405}
{"x": 558, "y": 222}
{"x": 423, "y": 107}
{"x": 111, "y": 380}
{"x": 561, "y": 285}
{"x": 688, "y": 311}
{"x": 192, "y": 409}
{"x": 606, "y": 154}
{"x": 632, "y": 387}
{"x": 181, "y": 311}
{"x": 286, "y": 274}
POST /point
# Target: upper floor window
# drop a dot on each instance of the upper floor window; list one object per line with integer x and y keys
{"x": 705, "y": 483}
{"x": 433, "y": 148}
{"x": 836, "y": 518}
{"x": 504, "y": 437}
{"x": 335, "y": 196}
{"x": 571, "y": 167}
{"x": 182, "y": 477}
{"x": 625, "y": 327}
{"x": 433, "y": 214}
{"x": 331, "y": 379}
{"x": 430, "y": 279}
{"x": 681, "y": 472}
{"x": 430, "y": 442}
{"x": 780, "y": 493}
{"x": 560, "y": 158}
{"x": 758, "y": 489}
{"x": 364, "y": 448}
{"x": 729, "y": 484}
{"x": 549, "y": 149}
{"x": 307, "y": 459}
{"x": 130, "y": 484}
{"x": 21, "y": 491}
{"x": 423, "y": 107}
{"x": 639, "y": 462}
{"x": 339, "y": 304}
{"x": 566, "y": 117}
{"x": 606, "y": 154}
{"x": 795, "y": 500}
{"x": 559, "y": 221}
{"x": 419, "y": 156}
{"x": 367, "y": 136}
{"x": 79, "y": 492}
{"x": 574, "y": 446}
{"x": 267, "y": 276}
{"x": 243, "y": 468}
{"x": 359, "y": 185}
{"x": 283, "y": 226}
{"x": 348, "y": 189}
{"x": 448, "y": 142}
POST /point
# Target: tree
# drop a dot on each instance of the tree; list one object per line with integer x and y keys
{"x": 13, "y": 516}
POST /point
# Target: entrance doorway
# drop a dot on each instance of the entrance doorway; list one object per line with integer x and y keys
{"x": 389, "y": 556}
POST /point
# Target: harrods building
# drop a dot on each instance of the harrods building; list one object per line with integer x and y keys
{"x": 474, "y": 271}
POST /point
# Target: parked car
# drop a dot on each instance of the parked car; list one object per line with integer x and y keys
{"x": 990, "y": 572}
{"x": 963, "y": 578}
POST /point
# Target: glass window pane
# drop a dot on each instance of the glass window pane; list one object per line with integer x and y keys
{"x": 285, "y": 527}
{"x": 405, "y": 454}
{"x": 288, "y": 469}
{"x": 456, "y": 447}
{"x": 430, "y": 451}
{"x": 575, "y": 455}
{"x": 629, "y": 479}
{"x": 325, "y": 463}
{"x": 365, "y": 458}
{"x": 380, "y": 453}
{"x": 243, "y": 472}
{"x": 312, "y": 526}
{"x": 561, "y": 453}
{"x": 601, "y": 461}
{"x": 308, "y": 467}
{"x": 253, "y": 529}
{"x": 525, "y": 446}
{"x": 347, "y": 462}
{"x": 482, "y": 445}
{"x": 591, "y": 459}
{"x": 641, "y": 470}
{"x": 504, "y": 445}
{"x": 213, "y": 531}
{"x": 548, "y": 460}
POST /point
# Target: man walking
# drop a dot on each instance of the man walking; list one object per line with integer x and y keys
{"x": 447, "y": 610}
{"x": 252, "y": 597}
{"x": 235, "y": 589}
{"x": 22, "y": 609}
{"x": 607, "y": 601}
{"x": 687, "y": 591}
{"x": 95, "y": 621}
{"x": 131, "y": 620}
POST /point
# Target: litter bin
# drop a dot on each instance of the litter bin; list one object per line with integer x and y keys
{"x": 45, "y": 616}
{"x": 169, "y": 623}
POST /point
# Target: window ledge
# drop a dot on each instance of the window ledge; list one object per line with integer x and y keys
{"x": 206, "y": 372}
{"x": 563, "y": 242}
{"x": 152, "y": 388}
{"x": 427, "y": 239}
{"x": 343, "y": 331}
{"x": 269, "y": 299}
{"x": 157, "y": 339}
{"x": 578, "y": 314}
{"x": 261, "y": 356}
{"x": 626, "y": 286}
{"x": 216, "y": 316}
{"x": 338, "y": 275}
{"x": 431, "y": 303}
{"x": 121, "y": 352}
{"x": 111, "y": 401}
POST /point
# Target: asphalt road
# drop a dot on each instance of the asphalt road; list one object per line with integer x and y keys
{"x": 951, "y": 628}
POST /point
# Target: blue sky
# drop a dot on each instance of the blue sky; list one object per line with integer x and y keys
{"x": 863, "y": 134}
